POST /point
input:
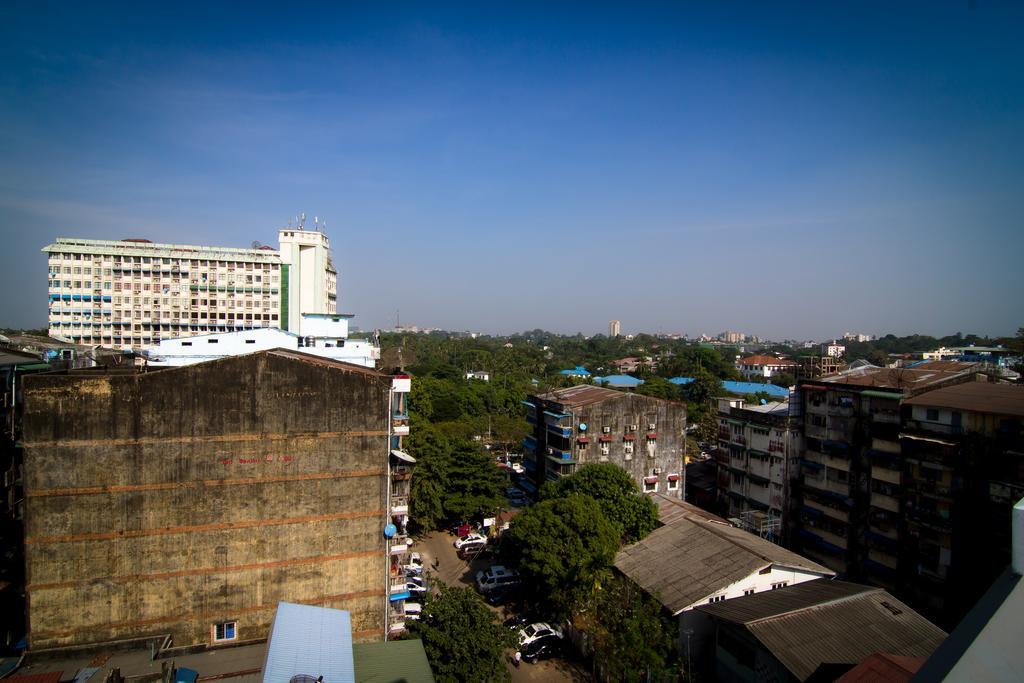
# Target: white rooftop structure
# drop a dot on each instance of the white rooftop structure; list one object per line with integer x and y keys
{"x": 323, "y": 335}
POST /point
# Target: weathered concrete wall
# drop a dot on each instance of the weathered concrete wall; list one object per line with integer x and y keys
{"x": 169, "y": 501}
{"x": 669, "y": 419}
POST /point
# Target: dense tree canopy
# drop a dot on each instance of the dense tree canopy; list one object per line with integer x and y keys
{"x": 454, "y": 479}
{"x": 463, "y": 639}
{"x": 563, "y": 548}
{"x": 633, "y": 638}
{"x": 618, "y": 496}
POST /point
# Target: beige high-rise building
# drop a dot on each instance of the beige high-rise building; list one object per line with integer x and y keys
{"x": 614, "y": 328}
{"x": 135, "y": 292}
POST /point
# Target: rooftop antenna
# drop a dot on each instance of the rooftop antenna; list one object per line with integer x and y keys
{"x": 302, "y": 221}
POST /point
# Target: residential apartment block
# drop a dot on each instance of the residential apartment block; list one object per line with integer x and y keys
{"x": 584, "y": 424}
{"x": 962, "y": 470}
{"x": 135, "y": 293}
{"x": 758, "y": 456}
{"x": 188, "y": 502}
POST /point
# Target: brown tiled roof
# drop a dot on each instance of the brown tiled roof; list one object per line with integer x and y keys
{"x": 829, "y": 622}
{"x": 765, "y": 360}
{"x": 693, "y": 557}
{"x": 979, "y": 397}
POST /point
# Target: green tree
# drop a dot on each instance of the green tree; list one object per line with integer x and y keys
{"x": 707, "y": 427}
{"x": 563, "y": 547}
{"x": 659, "y": 387}
{"x": 632, "y": 637}
{"x": 616, "y": 494}
{"x": 475, "y": 483}
{"x": 462, "y": 637}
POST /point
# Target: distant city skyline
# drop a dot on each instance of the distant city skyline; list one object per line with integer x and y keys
{"x": 791, "y": 170}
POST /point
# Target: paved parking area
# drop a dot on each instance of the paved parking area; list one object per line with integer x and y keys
{"x": 441, "y": 562}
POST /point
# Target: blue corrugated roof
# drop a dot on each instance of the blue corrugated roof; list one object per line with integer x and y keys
{"x": 681, "y": 380}
{"x": 305, "y": 639}
{"x": 620, "y": 381}
{"x": 578, "y": 370}
{"x": 755, "y": 388}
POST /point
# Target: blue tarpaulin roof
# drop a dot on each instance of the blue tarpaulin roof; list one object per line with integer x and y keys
{"x": 305, "y": 639}
{"x": 578, "y": 370}
{"x": 681, "y": 380}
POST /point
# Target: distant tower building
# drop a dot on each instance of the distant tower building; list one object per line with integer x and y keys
{"x": 613, "y": 328}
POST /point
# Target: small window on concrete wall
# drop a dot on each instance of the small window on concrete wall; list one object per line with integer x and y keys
{"x": 224, "y": 631}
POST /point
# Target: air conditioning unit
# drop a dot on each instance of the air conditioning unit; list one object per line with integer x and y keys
{"x": 606, "y": 430}
{"x": 656, "y": 470}
{"x": 651, "y": 426}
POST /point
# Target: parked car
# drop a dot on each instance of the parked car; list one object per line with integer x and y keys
{"x": 501, "y": 596}
{"x": 415, "y": 565}
{"x": 496, "y": 577}
{"x": 517, "y": 498}
{"x": 517, "y": 621}
{"x": 473, "y": 549}
{"x": 534, "y": 631}
{"x": 470, "y": 538}
{"x": 413, "y": 610}
{"x": 541, "y": 648}
{"x": 416, "y": 585}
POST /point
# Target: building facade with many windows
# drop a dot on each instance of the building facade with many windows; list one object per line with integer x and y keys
{"x": 758, "y": 458}
{"x": 587, "y": 424}
{"x": 135, "y": 292}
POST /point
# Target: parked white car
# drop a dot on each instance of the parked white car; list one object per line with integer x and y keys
{"x": 470, "y": 538}
{"x": 415, "y": 565}
{"x": 413, "y": 610}
{"x": 497, "y": 577}
{"x": 535, "y": 631}
{"x": 416, "y": 585}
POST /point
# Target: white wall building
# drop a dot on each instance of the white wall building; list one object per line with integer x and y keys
{"x": 833, "y": 348}
{"x": 324, "y": 335}
{"x": 763, "y": 367}
{"x": 136, "y": 293}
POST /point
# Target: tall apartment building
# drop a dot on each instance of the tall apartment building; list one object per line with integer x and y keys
{"x": 962, "y": 470}
{"x": 758, "y": 456}
{"x": 188, "y": 502}
{"x": 614, "y": 328}
{"x": 584, "y": 424}
{"x": 135, "y": 293}
{"x": 850, "y": 485}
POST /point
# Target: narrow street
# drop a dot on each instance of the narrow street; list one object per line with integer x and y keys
{"x": 441, "y": 563}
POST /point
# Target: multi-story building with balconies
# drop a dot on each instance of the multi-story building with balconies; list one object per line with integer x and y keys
{"x": 584, "y": 424}
{"x": 962, "y": 471}
{"x": 758, "y": 453}
{"x": 135, "y": 293}
{"x": 850, "y": 490}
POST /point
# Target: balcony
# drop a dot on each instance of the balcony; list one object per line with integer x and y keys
{"x": 399, "y": 505}
{"x": 934, "y": 489}
{"x": 559, "y": 430}
{"x": 399, "y": 585}
{"x": 883, "y": 558}
{"x": 401, "y": 473}
{"x": 399, "y": 545}
{"x": 400, "y": 426}
{"x": 884, "y": 502}
{"x": 934, "y": 427}
{"x": 834, "y": 513}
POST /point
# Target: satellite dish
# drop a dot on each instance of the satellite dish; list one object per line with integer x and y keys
{"x": 256, "y": 244}
{"x": 583, "y": 426}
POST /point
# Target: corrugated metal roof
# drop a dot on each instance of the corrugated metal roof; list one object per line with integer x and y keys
{"x": 979, "y": 397}
{"x": 305, "y": 639}
{"x": 580, "y": 395}
{"x": 818, "y": 622}
{"x": 391, "y": 662}
{"x": 619, "y": 381}
{"x": 692, "y": 558}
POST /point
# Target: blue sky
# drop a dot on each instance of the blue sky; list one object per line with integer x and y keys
{"x": 782, "y": 169}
